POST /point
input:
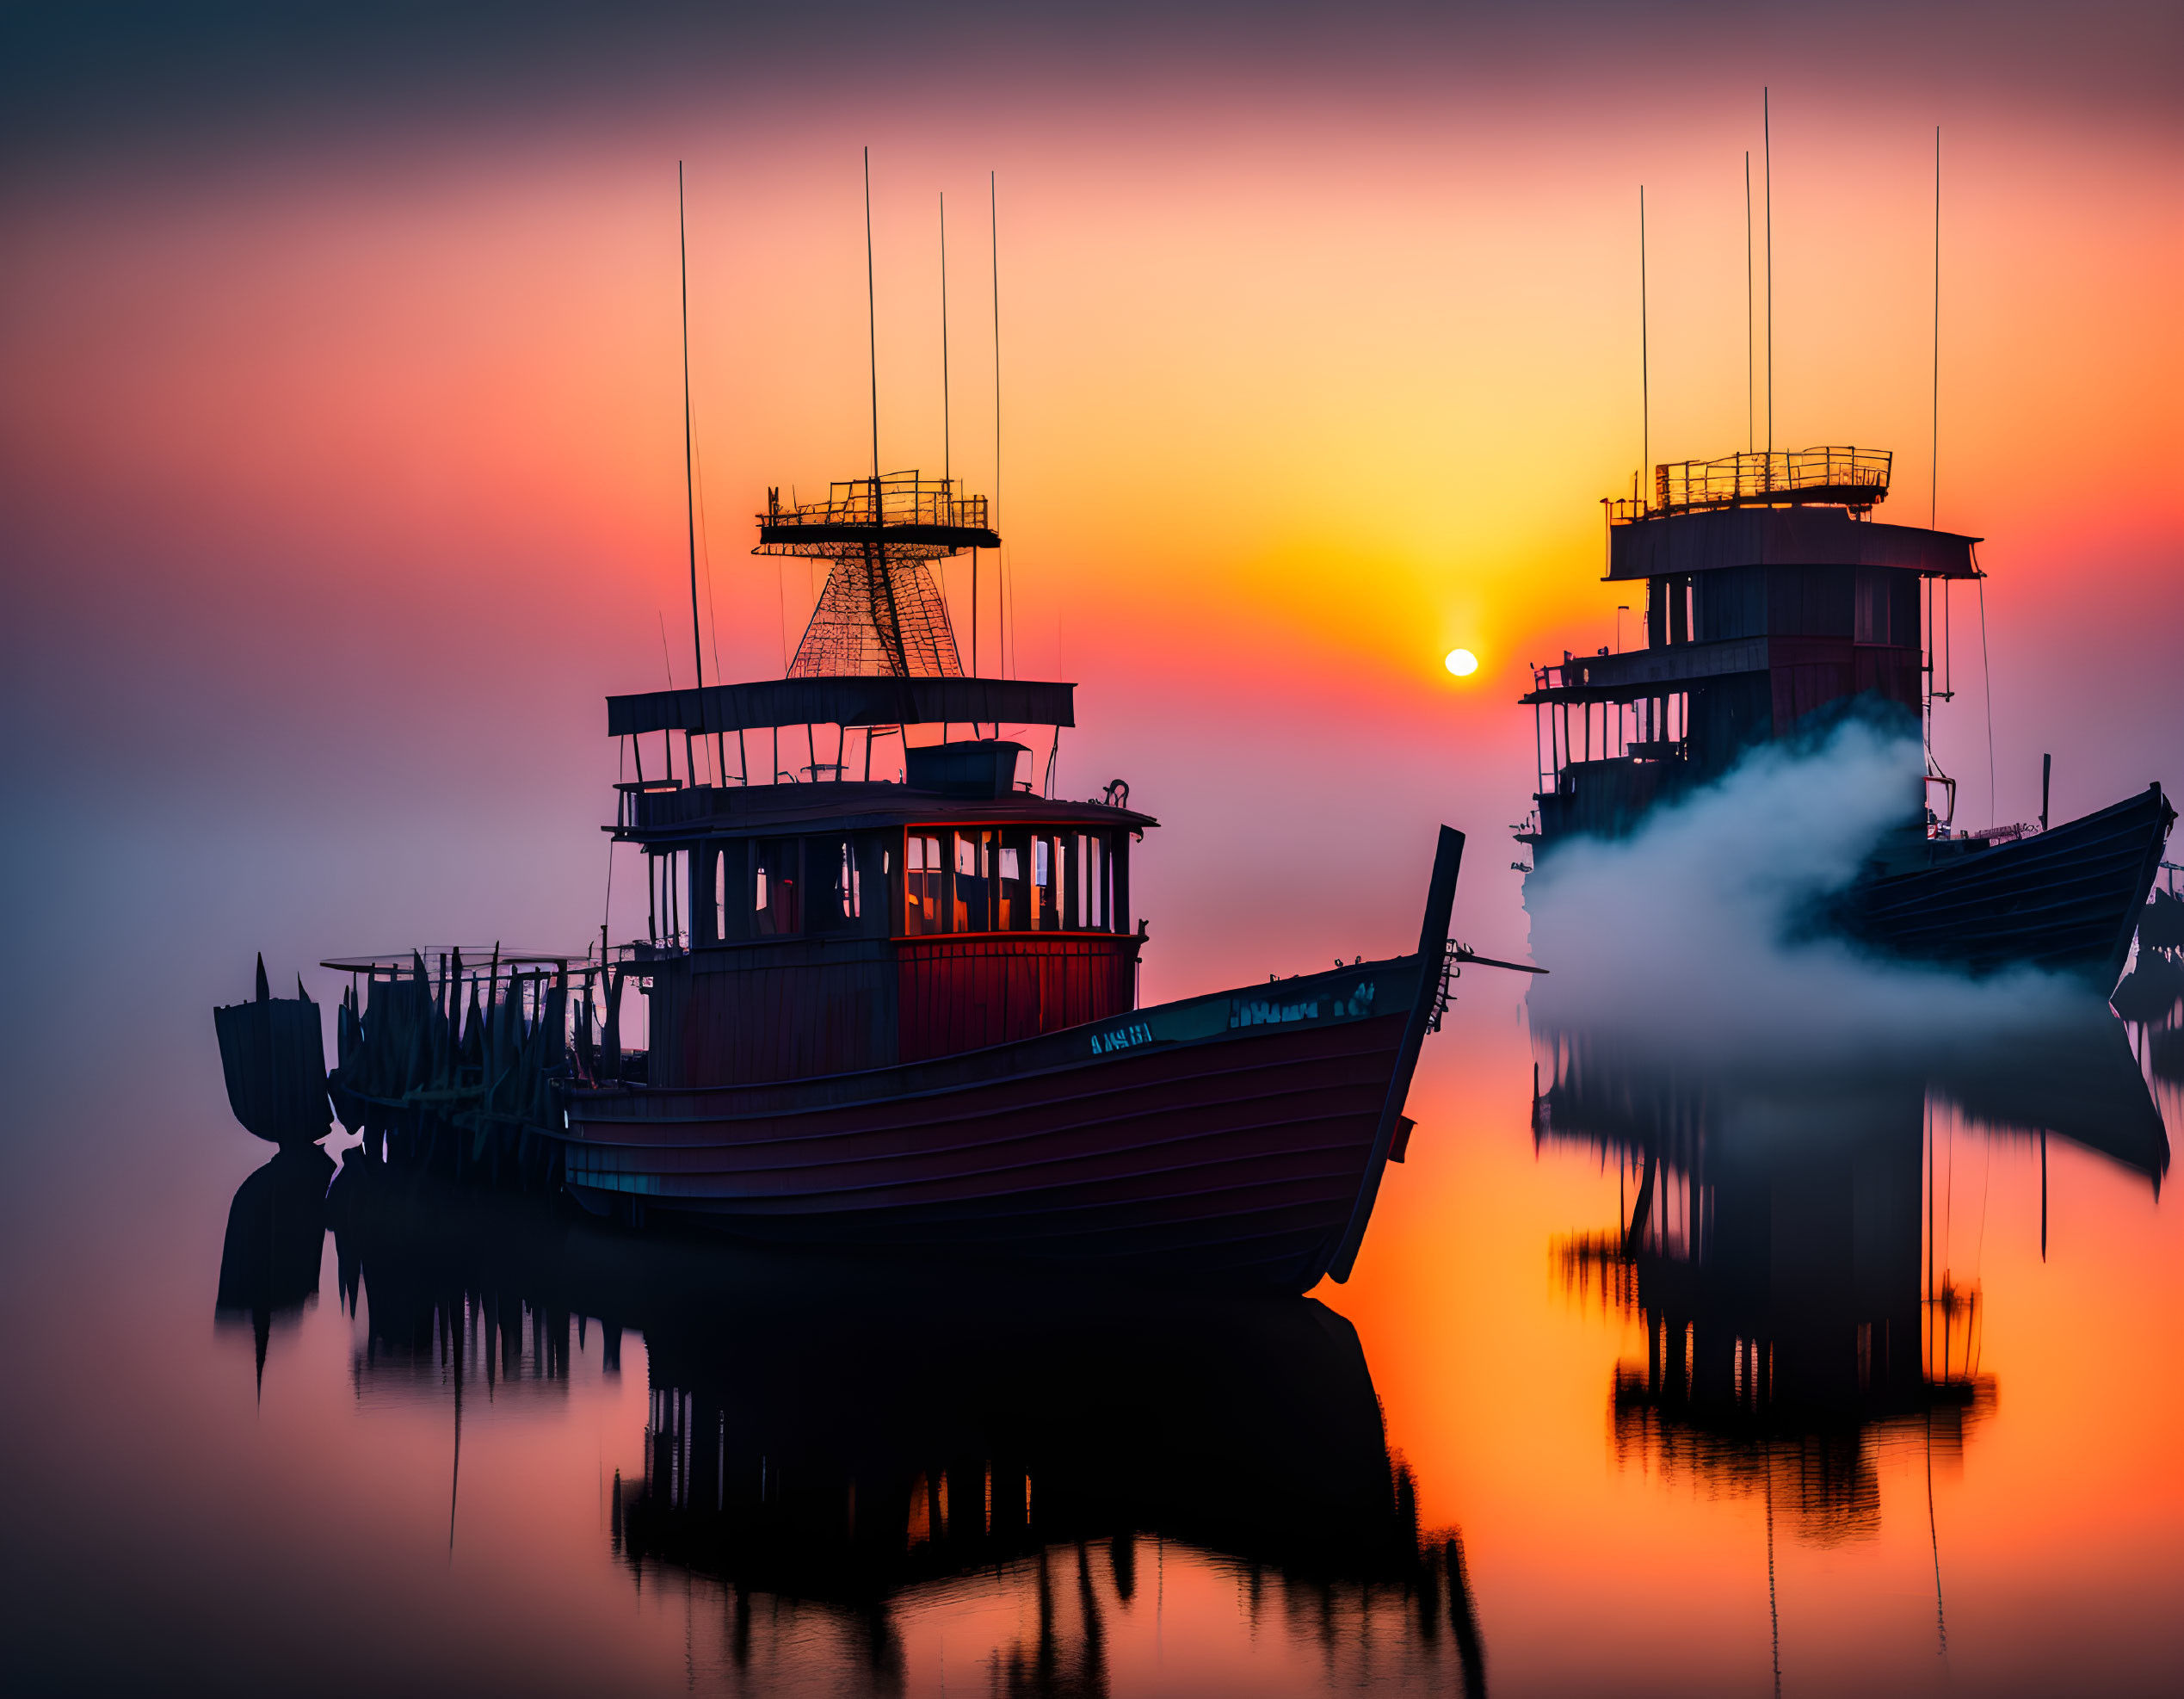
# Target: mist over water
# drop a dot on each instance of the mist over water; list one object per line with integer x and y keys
{"x": 1693, "y": 934}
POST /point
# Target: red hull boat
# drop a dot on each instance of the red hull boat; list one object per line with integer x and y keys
{"x": 890, "y": 995}
{"x": 899, "y": 1013}
{"x": 1237, "y": 1139}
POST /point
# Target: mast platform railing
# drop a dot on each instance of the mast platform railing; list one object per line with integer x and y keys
{"x": 893, "y": 499}
{"x": 1850, "y": 477}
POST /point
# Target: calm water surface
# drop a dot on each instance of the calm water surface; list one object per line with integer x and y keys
{"x": 1691, "y": 1380}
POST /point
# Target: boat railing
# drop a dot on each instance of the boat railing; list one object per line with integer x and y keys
{"x": 1851, "y": 476}
{"x": 892, "y": 498}
{"x": 474, "y": 958}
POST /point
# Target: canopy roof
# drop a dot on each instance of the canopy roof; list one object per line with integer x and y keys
{"x": 843, "y": 702}
{"x": 1707, "y": 541}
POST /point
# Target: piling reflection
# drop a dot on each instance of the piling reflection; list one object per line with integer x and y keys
{"x": 276, "y": 1231}
{"x": 1779, "y": 1249}
{"x": 834, "y": 1445}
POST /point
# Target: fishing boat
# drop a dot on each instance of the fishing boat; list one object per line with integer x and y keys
{"x": 890, "y": 976}
{"x": 1773, "y": 603}
{"x": 891, "y": 992}
{"x": 889, "y": 983}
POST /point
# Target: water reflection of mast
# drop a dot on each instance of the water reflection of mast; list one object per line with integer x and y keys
{"x": 461, "y": 1336}
{"x": 1774, "y": 1254}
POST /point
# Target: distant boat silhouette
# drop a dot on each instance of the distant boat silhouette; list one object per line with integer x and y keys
{"x": 274, "y": 1055}
{"x": 1774, "y": 602}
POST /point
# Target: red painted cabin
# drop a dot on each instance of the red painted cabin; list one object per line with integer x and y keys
{"x": 834, "y": 924}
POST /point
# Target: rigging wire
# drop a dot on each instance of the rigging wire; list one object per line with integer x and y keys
{"x": 1987, "y": 673}
{"x": 1001, "y": 566}
{"x": 1773, "y": 1613}
{"x": 689, "y": 487}
{"x": 607, "y": 913}
{"x": 948, "y": 451}
{"x": 780, "y": 607}
{"x": 946, "y": 464}
{"x": 713, "y": 614}
{"x": 1751, "y": 439}
{"x": 1933, "y": 1535}
{"x": 872, "y": 329}
{"x": 1933, "y": 452}
{"x": 1646, "y": 391}
{"x": 667, "y": 739}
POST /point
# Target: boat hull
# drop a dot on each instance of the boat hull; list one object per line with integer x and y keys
{"x": 2065, "y": 900}
{"x": 1221, "y": 1140}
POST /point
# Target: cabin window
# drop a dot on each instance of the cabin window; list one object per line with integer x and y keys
{"x": 849, "y": 883}
{"x": 1887, "y": 601}
{"x": 1046, "y": 883}
{"x": 844, "y": 862}
{"x": 973, "y": 905}
{"x": 924, "y": 884}
{"x": 1012, "y": 882}
{"x": 1091, "y": 882}
{"x": 775, "y": 878}
{"x": 671, "y": 872}
{"x": 726, "y": 919}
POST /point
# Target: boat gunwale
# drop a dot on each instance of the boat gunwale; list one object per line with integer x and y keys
{"x": 576, "y": 1095}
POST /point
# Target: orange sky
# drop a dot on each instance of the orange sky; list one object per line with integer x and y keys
{"x": 1299, "y": 406}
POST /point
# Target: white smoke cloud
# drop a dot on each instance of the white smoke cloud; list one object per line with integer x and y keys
{"x": 1685, "y": 935}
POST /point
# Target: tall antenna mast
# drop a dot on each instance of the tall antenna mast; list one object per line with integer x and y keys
{"x": 947, "y": 472}
{"x": 1767, "y": 142}
{"x": 689, "y": 479}
{"x": 1751, "y": 439}
{"x": 872, "y": 322}
{"x": 1646, "y": 391}
{"x": 1933, "y": 452}
{"x": 993, "y": 195}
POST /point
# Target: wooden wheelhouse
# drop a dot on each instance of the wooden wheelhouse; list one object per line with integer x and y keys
{"x": 1773, "y": 601}
{"x": 1771, "y": 595}
{"x": 829, "y": 924}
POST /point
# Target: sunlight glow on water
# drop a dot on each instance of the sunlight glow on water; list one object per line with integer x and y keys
{"x": 592, "y": 1464}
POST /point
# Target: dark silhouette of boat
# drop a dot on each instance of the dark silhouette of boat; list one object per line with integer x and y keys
{"x": 890, "y": 978}
{"x": 901, "y": 1015}
{"x": 1774, "y": 602}
{"x": 935, "y": 1051}
{"x": 2066, "y": 899}
{"x": 822, "y": 1432}
{"x": 273, "y": 1054}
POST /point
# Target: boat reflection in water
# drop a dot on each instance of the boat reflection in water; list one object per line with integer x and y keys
{"x": 838, "y": 1445}
{"x": 276, "y": 1231}
{"x": 1780, "y": 1247}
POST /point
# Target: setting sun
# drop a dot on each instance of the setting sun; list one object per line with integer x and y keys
{"x": 1462, "y": 662}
